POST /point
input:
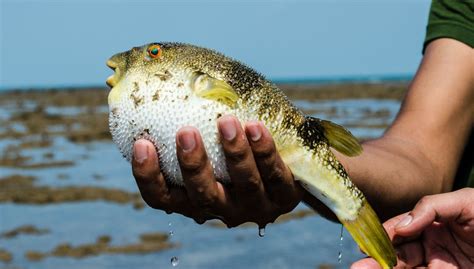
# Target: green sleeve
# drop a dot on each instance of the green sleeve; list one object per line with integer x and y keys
{"x": 451, "y": 19}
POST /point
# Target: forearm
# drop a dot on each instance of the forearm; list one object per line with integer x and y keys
{"x": 393, "y": 174}
{"x": 420, "y": 152}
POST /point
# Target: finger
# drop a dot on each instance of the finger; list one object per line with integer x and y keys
{"x": 276, "y": 176}
{"x": 412, "y": 254}
{"x": 390, "y": 225}
{"x": 146, "y": 170}
{"x": 151, "y": 182}
{"x": 203, "y": 190}
{"x": 367, "y": 263}
{"x": 445, "y": 207}
{"x": 246, "y": 181}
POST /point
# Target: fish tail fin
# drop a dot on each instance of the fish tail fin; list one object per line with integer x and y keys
{"x": 332, "y": 187}
{"x": 371, "y": 236}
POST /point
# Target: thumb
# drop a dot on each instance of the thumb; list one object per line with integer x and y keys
{"x": 444, "y": 207}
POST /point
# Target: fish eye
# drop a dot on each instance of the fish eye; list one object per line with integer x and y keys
{"x": 154, "y": 51}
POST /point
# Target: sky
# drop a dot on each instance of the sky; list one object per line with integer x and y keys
{"x": 54, "y": 43}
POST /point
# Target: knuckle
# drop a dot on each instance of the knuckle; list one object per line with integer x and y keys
{"x": 237, "y": 154}
{"x": 192, "y": 165}
{"x": 275, "y": 175}
{"x": 264, "y": 152}
{"x": 425, "y": 201}
{"x": 251, "y": 185}
{"x": 204, "y": 198}
{"x": 205, "y": 202}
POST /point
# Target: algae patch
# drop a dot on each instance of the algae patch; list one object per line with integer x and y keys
{"x": 149, "y": 243}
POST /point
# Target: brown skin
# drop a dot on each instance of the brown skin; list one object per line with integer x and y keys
{"x": 438, "y": 233}
{"x": 417, "y": 156}
{"x": 254, "y": 196}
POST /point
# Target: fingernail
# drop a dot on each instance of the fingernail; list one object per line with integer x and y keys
{"x": 227, "y": 128}
{"x": 254, "y": 131}
{"x": 140, "y": 151}
{"x": 404, "y": 222}
{"x": 186, "y": 140}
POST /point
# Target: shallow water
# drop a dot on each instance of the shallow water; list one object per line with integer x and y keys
{"x": 300, "y": 243}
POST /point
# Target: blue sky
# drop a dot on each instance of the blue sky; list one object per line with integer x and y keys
{"x": 66, "y": 43}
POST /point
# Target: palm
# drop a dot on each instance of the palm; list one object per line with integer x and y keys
{"x": 448, "y": 245}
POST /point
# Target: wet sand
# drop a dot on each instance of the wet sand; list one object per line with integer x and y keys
{"x": 22, "y": 190}
{"x": 152, "y": 242}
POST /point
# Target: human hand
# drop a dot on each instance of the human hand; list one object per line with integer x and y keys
{"x": 262, "y": 186}
{"x": 437, "y": 233}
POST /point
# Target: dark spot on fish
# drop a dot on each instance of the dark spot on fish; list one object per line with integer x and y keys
{"x": 164, "y": 76}
{"x": 186, "y": 97}
{"x": 156, "y": 96}
{"x": 312, "y": 133}
{"x": 147, "y": 131}
{"x": 181, "y": 84}
{"x": 137, "y": 100}
{"x": 136, "y": 88}
{"x": 115, "y": 111}
{"x": 219, "y": 115}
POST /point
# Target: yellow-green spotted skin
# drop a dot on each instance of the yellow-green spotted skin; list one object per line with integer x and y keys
{"x": 160, "y": 87}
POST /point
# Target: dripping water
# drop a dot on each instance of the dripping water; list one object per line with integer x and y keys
{"x": 170, "y": 229}
{"x": 174, "y": 261}
{"x": 261, "y": 231}
{"x": 339, "y": 256}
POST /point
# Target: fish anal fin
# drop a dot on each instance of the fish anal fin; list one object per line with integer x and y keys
{"x": 341, "y": 139}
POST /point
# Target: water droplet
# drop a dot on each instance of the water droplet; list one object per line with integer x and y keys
{"x": 174, "y": 261}
{"x": 339, "y": 257}
{"x": 170, "y": 231}
{"x": 261, "y": 231}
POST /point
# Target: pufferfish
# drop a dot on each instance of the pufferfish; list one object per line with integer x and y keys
{"x": 160, "y": 87}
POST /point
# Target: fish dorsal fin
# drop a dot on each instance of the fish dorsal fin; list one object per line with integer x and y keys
{"x": 337, "y": 136}
{"x": 341, "y": 139}
{"x": 214, "y": 89}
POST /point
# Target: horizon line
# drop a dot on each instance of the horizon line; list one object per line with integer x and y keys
{"x": 277, "y": 80}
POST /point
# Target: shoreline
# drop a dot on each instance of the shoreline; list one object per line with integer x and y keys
{"x": 302, "y": 90}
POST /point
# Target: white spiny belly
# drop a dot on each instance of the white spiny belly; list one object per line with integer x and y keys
{"x": 158, "y": 118}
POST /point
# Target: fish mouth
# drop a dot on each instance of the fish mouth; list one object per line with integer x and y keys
{"x": 111, "y": 80}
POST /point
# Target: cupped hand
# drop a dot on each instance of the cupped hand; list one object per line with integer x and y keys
{"x": 261, "y": 189}
{"x": 437, "y": 233}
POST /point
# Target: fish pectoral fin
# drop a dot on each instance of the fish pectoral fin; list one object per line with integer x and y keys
{"x": 214, "y": 89}
{"x": 341, "y": 139}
